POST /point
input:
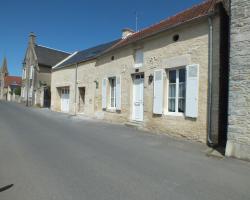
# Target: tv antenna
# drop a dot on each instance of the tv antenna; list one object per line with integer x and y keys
{"x": 136, "y": 20}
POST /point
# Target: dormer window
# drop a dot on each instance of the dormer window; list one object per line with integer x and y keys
{"x": 138, "y": 58}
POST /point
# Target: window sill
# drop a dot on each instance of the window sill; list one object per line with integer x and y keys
{"x": 138, "y": 66}
{"x": 174, "y": 114}
{"x": 111, "y": 110}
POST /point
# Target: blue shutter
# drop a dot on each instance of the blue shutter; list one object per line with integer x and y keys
{"x": 192, "y": 90}
{"x": 158, "y": 92}
{"x": 118, "y": 93}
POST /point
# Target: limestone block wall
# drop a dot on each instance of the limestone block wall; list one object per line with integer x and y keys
{"x": 238, "y": 144}
{"x": 158, "y": 53}
{"x": 86, "y": 77}
{"x": 62, "y": 78}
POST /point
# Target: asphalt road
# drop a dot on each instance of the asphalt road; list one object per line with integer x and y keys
{"x": 50, "y": 156}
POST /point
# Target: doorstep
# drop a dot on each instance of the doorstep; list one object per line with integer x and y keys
{"x": 135, "y": 124}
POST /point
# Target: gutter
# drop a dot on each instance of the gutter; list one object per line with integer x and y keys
{"x": 210, "y": 79}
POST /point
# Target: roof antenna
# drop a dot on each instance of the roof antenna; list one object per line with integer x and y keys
{"x": 136, "y": 21}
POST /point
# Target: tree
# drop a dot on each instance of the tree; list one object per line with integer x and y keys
{"x": 17, "y": 91}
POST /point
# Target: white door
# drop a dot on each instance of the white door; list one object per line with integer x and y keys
{"x": 65, "y": 100}
{"x": 138, "y": 87}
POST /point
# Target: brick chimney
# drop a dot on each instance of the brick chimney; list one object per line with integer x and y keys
{"x": 32, "y": 38}
{"x": 126, "y": 32}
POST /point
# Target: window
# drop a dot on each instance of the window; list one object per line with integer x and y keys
{"x": 112, "y": 82}
{"x": 24, "y": 74}
{"x": 177, "y": 91}
{"x": 31, "y": 72}
{"x": 138, "y": 58}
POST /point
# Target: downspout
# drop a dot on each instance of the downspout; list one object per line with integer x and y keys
{"x": 76, "y": 88}
{"x": 210, "y": 79}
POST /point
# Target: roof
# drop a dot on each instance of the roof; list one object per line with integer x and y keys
{"x": 12, "y": 80}
{"x": 48, "y": 56}
{"x": 85, "y": 55}
{"x": 205, "y": 8}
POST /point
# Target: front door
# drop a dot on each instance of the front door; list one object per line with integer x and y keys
{"x": 65, "y": 99}
{"x": 81, "y": 99}
{"x": 138, "y": 87}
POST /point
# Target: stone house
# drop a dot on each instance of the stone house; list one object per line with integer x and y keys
{"x": 73, "y": 83}
{"x": 238, "y": 144}
{"x": 166, "y": 78}
{"x": 36, "y": 75}
{"x": 11, "y": 84}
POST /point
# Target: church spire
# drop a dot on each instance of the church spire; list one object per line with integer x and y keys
{"x": 4, "y": 68}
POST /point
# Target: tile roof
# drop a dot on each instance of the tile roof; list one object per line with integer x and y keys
{"x": 197, "y": 11}
{"x": 12, "y": 80}
{"x": 85, "y": 55}
{"x": 49, "y": 57}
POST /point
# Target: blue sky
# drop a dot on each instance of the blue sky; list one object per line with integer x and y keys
{"x": 72, "y": 25}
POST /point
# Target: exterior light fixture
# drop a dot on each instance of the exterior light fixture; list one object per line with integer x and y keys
{"x": 150, "y": 78}
{"x": 96, "y": 84}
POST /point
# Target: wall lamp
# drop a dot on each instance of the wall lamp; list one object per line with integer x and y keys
{"x": 150, "y": 78}
{"x": 96, "y": 84}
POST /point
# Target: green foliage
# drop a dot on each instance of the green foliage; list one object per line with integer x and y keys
{"x": 17, "y": 91}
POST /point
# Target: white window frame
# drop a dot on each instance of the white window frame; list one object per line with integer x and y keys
{"x": 110, "y": 89}
{"x": 176, "y": 113}
{"x": 24, "y": 73}
{"x": 139, "y": 52}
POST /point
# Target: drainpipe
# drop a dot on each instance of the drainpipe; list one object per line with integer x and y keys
{"x": 210, "y": 83}
{"x": 76, "y": 88}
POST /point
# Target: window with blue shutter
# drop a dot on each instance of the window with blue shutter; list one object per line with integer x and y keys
{"x": 158, "y": 92}
{"x": 177, "y": 90}
{"x": 118, "y": 92}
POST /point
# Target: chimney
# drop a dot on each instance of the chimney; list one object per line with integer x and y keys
{"x": 32, "y": 38}
{"x": 126, "y": 32}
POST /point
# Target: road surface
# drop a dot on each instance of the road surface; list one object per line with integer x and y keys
{"x": 53, "y": 156}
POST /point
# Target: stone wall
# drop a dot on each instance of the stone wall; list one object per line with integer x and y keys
{"x": 238, "y": 144}
{"x": 160, "y": 52}
{"x": 66, "y": 78}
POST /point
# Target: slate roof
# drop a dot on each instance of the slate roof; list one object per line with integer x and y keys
{"x": 197, "y": 11}
{"x": 85, "y": 55}
{"x": 12, "y": 80}
{"x": 49, "y": 57}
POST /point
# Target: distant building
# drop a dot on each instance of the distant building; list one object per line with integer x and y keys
{"x": 8, "y": 84}
{"x": 12, "y": 86}
{"x": 36, "y": 76}
{"x": 3, "y": 73}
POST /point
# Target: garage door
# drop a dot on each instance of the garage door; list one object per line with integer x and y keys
{"x": 65, "y": 99}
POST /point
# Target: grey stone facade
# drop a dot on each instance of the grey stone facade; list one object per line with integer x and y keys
{"x": 238, "y": 144}
{"x": 36, "y": 78}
